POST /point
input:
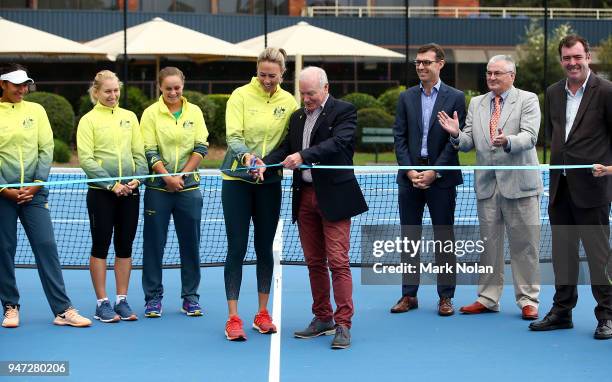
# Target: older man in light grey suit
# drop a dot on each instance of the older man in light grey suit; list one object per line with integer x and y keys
{"x": 503, "y": 127}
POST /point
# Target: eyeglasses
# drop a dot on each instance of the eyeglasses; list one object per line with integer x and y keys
{"x": 424, "y": 62}
{"x": 496, "y": 74}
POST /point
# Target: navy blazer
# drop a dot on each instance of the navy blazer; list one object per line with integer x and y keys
{"x": 332, "y": 142}
{"x": 408, "y": 134}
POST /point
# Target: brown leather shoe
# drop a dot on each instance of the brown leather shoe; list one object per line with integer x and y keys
{"x": 405, "y": 304}
{"x": 475, "y": 308}
{"x": 529, "y": 312}
{"x": 445, "y": 307}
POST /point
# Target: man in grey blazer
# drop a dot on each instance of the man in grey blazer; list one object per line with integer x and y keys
{"x": 503, "y": 126}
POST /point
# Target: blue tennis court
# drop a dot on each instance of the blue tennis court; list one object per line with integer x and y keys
{"x": 415, "y": 345}
{"x": 418, "y": 345}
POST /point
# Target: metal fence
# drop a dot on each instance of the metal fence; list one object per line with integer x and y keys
{"x": 455, "y": 12}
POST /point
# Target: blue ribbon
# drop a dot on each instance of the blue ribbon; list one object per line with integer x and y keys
{"x": 542, "y": 167}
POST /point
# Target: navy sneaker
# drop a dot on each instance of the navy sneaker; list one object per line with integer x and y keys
{"x": 153, "y": 308}
{"x": 105, "y": 312}
{"x": 191, "y": 308}
{"x": 124, "y": 311}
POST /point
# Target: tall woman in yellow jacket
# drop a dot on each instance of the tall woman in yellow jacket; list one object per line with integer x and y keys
{"x": 110, "y": 145}
{"x": 175, "y": 136}
{"x": 26, "y": 152}
{"x": 257, "y": 117}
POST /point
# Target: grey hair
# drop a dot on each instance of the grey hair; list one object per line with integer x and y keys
{"x": 312, "y": 70}
{"x": 510, "y": 65}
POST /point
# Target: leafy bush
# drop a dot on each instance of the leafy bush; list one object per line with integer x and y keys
{"x": 136, "y": 101}
{"x": 541, "y": 133}
{"x": 362, "y": 101}
{"x": 149, "y": 103}
{"x": 530, "y": 72}
{"x": 85, "y": 105}
{"x": 59, "y": 111}
{"x": 216, "y": 129}
{"x": 209, "y": 109}
{"x": 390, "y": 98}
{"x": 372, "y": 117}
{"x": 61, "y": 151}
{"x": 469, "y": 94}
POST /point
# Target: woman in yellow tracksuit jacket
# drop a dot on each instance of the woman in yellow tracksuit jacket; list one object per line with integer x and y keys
{"x": 174, "y": 136}
{"x": 110, "y": 145}
{"x": 257, "y": 117}
{"x": 26, "y": 153}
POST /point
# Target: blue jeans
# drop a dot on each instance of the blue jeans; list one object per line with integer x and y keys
{"x": 36, "y": 221}
{"x": 186, "y": 209}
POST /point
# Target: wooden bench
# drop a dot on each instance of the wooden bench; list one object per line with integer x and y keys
{"x": 375, "y": 136}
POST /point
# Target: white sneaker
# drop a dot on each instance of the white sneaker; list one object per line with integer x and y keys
{"x": 71, "y": 317}
{"x": 11, "y": 316}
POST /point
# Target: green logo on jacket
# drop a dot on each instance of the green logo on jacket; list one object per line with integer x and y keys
{"x": 188, "y": 124}
{"x": 279, "y": 112}
{"x": 125, "y": 124}
{"x": 28, "y": 123}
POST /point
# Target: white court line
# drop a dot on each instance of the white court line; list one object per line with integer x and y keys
{"x": 275, "y": 340}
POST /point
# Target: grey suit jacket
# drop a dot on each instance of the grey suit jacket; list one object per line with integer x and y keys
{"x": 520, "y": 122}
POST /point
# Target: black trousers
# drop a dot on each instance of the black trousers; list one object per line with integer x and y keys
{"x": 570, "y": 225}
{"x": 108, "y": 212}
{"x": 243, "y": 202}
{"x": 441, "y": 203}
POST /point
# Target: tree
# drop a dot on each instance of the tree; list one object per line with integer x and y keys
{"x": 531, "y": 57}
{"x": 605, "y": 56}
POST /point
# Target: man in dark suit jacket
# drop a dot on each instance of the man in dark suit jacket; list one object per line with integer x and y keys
{"x": 579, "y": 204}
{"x": 421, "y": 141}
{"x": 324, "y": 201}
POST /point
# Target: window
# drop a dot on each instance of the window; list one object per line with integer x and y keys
{"x": 77, "y": 4}
{"x": 275, "y": 7}
{"x": 13, "y": 4}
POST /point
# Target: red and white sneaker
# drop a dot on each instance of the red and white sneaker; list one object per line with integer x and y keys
{"x": 233, "y": 329}
{"x": 263, "y": 323}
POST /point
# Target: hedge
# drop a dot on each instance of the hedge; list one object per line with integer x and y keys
{"x": 216, "y": 129}
{"x": 390, "y": 98}
{"x": 61, "y": 151}
{"x": 209, "y": 109}
{"x": 362, "y": 100}
{"x": 59, "y": 111}
{"x": 136, "y": 101}
{"x": 372, "y": 117}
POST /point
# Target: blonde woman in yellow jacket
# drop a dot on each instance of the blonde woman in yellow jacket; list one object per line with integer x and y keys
{"x": 257, "y": 117}
{"x": 110, "y": 146}
{"x": 26, "y": 153}
{"x": 175, "y": 136}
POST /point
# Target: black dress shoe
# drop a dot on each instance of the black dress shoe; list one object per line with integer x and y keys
{"x": 552, "y": 321}
{"x": 604, "y": 330}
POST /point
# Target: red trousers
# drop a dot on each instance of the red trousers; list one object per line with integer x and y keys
{"x": 326, "y": 244}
